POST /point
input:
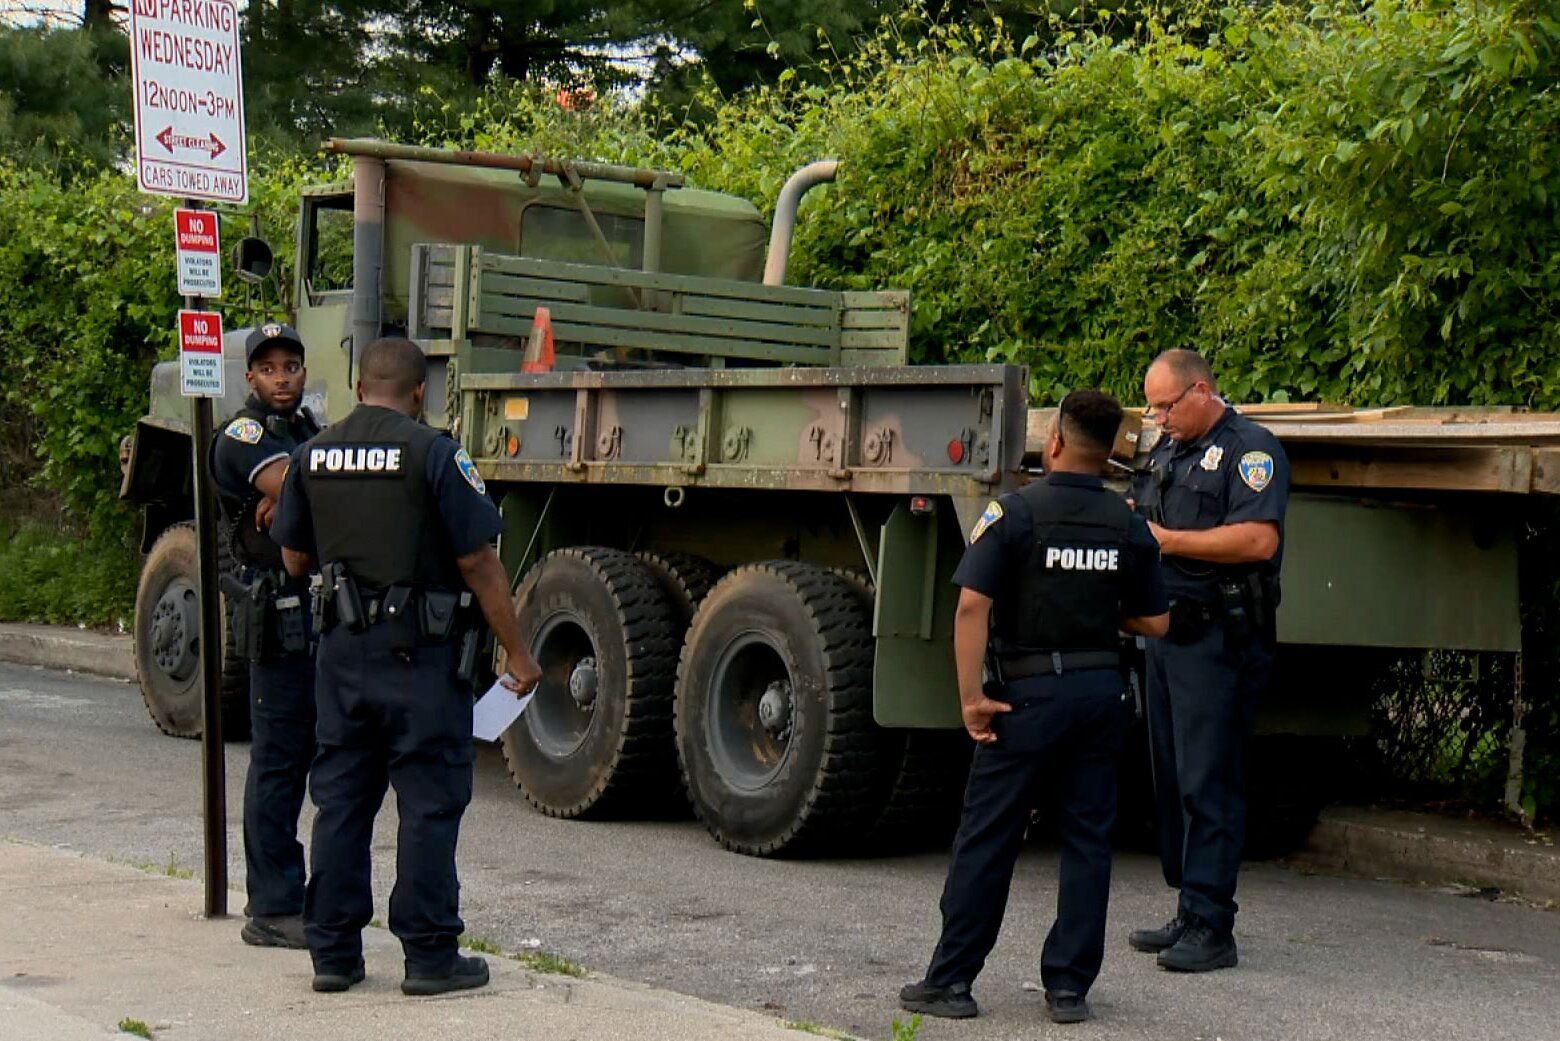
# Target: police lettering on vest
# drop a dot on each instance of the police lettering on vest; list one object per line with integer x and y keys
{"x": 1071, "y": 558}
{"x": 356, "y": 460}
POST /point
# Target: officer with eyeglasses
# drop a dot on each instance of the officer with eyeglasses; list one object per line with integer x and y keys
{"x": 1214, "y": 495}
{"x": 270, "y": 629}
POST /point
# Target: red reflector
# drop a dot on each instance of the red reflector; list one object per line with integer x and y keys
{"x": 920, "y": 504}
{"x": 956, "y": 450}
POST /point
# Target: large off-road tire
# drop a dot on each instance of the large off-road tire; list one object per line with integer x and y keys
{"x": 686, "y": 578}
{"x": 775, "y": 736}
{"x": 926, "y": 795}
{"x": 167, "y": 642}
{"x": 596, "y": 739}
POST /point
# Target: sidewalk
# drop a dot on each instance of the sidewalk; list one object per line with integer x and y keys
{"x": 65, "y": 647}
{"x": 88, "y": 943}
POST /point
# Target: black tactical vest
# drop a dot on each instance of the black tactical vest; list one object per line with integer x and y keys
{"x": 373, "y": 510}
{"x": 249, "y": 545}
{"x": 1067, "y": 594}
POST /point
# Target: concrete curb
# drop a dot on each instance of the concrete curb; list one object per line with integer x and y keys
{"x": 1419, "y": 847}
{"x": 62, "y": 647}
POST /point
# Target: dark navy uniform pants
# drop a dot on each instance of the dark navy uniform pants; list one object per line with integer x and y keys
{"x": 1058, "y": 748}
{"x": 281, "y": 712}
{"x": 386, "y": 723}
{"x": 1202, "y": 703}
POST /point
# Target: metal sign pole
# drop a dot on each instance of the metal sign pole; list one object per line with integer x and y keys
{"x": 213, "y": 763}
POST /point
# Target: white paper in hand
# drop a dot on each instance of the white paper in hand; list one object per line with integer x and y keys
{"x": 496, "y": 711}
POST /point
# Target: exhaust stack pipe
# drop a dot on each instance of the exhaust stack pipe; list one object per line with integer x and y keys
{"x": 780, "y": 235}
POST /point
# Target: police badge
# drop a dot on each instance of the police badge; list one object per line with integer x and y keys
{"x": 1212, "y": 458}
{"x": 1256, "y": 469}
{"x": 468, "y": 470}
{"x": 244, "y": 429}
{"x": 991, "y": 516}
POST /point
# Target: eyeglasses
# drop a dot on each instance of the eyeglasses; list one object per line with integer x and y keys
{"x": 1157, "y": 412}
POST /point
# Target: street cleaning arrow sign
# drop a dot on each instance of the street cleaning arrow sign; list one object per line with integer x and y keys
{"x": 189, "y": 99}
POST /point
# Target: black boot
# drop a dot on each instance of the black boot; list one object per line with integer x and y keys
{"x": 465, "y": 974}
{"x": 1201, "y": 948}
{"x": 1064, "y": 1006}
{"x": 950, "y": 1002}
{"x": 279, "y": 930}
{"x": 336, "y": 982}
{"x": 1152, "y": 941}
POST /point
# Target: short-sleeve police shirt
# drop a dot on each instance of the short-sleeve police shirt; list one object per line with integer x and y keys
{"x": 1000, "y": 544}
{"x": 470, "y": 519}
{"x": 243, "y": 448}
{"x": 1234, "y": 473}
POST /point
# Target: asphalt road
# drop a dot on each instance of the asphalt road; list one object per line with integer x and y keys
{"x": 82, "y": 767}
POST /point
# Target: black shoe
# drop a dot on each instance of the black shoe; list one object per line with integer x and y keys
{"x": 336, "y": 982}
{"x": 950, "y": 1002}
{"x": 281, "y": 930}
{"x": 465, "y": 974}
{"x": 1064, "y": 1006}
{"x": 1202, "y": 948}
{"x": 1152, "y": 941}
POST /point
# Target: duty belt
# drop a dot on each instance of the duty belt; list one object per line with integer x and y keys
{"x": 1054, "y": 663}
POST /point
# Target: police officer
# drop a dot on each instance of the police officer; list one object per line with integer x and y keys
{"x": 401, "y": 524}
{"x": 1215, "y": 493}
{"x": 1052, "y": 573}
{"x": 271, "y": 629}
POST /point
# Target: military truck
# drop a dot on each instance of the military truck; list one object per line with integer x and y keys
{"x": 732, "y": 509}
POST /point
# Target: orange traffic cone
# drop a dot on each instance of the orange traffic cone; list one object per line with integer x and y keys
{"x": 539, "y": 356}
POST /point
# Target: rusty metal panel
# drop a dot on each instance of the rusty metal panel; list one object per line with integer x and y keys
{"x": 926, "y": 431}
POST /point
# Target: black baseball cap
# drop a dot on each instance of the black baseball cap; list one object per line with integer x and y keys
{"x": 269, "y": 334}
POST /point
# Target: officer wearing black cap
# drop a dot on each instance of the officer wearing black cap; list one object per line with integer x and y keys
{"x": 401, "y": 523}
{"x": 271, "y": 629}
{"x": 1053, "y": 573}
{"x": 1215, "y": 494}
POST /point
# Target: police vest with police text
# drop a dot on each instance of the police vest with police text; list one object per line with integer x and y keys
{"x": 1067, "y": 593}
{"x": 250, "y": 545}
{"x": 373, "y": 510}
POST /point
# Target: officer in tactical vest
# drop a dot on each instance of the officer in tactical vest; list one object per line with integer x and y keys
{"x": 1053, "y": 573}
{"x": 270, "y": 628}
{"x": 401, "y": 524}
{"x": 1215, "y": 493}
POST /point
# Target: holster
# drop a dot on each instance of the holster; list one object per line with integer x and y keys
{"x": 338, "y": 602}
{"x": 1250, "y": 608}
{"x": 1189, "y": 620}
{"x": 292, "y": 631}
{"x": 251, "y": 604}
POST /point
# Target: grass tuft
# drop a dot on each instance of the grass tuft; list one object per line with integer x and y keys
{"x": 136, "y": 1027}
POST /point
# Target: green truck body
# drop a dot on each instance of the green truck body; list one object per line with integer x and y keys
{"x": 732, "y": 510}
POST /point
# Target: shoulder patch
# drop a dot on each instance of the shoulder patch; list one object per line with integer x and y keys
{"x": 244, "y": 429}
{"x": 1256, "y": 469}
{"x": 468, "y": 470}
{"x": 991, "y": 516}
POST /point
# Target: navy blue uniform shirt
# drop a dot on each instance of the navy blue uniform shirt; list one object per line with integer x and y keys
{"x": 243, "y": 448}
{"x": 999, "y": 548}
{"x": 1235, "y": 472}
{"x": 470, "y": 519}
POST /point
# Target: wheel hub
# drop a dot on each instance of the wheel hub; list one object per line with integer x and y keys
{"x": 774, "y": 709}
{"x": 174, "y": 632}
{"x": 583, "y": 683}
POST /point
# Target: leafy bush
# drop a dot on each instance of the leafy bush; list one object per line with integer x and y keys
{"x": 49, "y": 575}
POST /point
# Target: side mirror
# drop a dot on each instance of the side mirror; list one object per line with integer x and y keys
{"x": 252, "y": 259}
